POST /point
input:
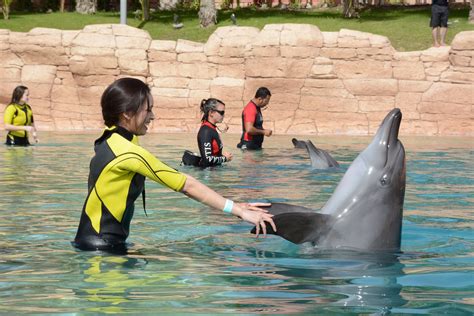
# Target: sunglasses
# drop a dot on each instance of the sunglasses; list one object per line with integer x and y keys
{"x": 220, "y": 112}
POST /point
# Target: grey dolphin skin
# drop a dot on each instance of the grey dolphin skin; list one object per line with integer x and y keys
{"x": 320, "y": 159}
{"x": 298, "y": 143}
{"x": 366, "y": 209}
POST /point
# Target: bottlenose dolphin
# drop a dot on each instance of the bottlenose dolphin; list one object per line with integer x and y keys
{"x": 320, "y": 159}
{"x": 298, "y": 143}
{"x": 366, "y": 209}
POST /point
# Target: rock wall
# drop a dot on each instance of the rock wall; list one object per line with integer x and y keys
{"x": 322, "y": 82}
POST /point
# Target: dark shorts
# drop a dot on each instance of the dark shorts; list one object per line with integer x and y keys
{"x": 17, "y": 141}
{"x": 109, "y": 244}
{"x": 439, "y": 16}
{"x": 245, "y": 145}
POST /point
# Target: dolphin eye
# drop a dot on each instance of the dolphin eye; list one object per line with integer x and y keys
{"x": 384, "y": 180}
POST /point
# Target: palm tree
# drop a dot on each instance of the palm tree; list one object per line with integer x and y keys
{"x": 86, "y": 6}
{"x": 471, "y": 13}
{"x": 145, "y": 9}
{"x": 207, "y": 13}
{"x": 5, "y": 5}
{"x": 350, "y": 8}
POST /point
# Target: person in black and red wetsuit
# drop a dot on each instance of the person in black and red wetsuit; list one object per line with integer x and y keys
{"x": 209, "y": 142}
{"x": 252, "y": 121}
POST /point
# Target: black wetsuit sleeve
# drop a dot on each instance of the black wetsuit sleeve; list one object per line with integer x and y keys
{"x": 206, "y": 138}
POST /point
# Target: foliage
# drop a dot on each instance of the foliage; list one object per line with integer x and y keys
{"x": 22, "y": 5}
{"x": 295, "y": 4}
{"x": 328, "y": 3}
{"x": 350, "y": 9}
{"x": 50, "y": 5}
{"x": 106, "y": 5}
{"x": 38, "y": 6}
{"x": 226, "y": 4}
{"x": 188, "y": 5}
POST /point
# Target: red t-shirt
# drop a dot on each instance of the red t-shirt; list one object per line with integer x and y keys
{"x": 249, "y": 114}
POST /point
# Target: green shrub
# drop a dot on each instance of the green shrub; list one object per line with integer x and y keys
{"x": 226, "y": 4}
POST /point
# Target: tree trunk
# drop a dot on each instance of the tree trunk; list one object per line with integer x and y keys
{"x": 61, "y": 5}
{"x": 86, "y": 6}
{"x": 471, "y": 13}
{"x": 350, "y": 9}
{"x": 6, "y": 9}
{"x": 145, "y": 9}
{"x": 208, "y": 13}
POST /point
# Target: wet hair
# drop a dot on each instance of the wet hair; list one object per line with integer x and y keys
{"x": 125, "y": 95}
{"x": 18, "y": 93}
{"x": 208, "y": 105}
{"x": 262, "y": 93}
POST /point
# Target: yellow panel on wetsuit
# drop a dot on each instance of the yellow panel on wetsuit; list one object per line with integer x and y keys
{"x": 139, "y": 160}
{"x": 111, "y": 191}
{"x": 18, "y": 115}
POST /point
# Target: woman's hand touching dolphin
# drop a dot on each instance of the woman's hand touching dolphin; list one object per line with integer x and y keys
{"x": 257, "y": 216}
{"x": 249, "y": 212}
{"x": 255, "y": 206}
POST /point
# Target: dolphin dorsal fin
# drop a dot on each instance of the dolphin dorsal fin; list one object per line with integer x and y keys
{"x": 320, "y": 158}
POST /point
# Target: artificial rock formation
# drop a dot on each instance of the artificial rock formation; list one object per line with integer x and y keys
{"x": 322, "y": 82}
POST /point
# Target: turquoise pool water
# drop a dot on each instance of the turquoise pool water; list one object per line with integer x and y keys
{"x": 187, "y": 258}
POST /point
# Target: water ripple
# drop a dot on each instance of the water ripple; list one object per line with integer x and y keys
{"x": 186, "y": 258}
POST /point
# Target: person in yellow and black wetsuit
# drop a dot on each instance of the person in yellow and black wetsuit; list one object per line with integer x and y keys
{"x": 18, "y": 119}
{"x": 209, "y": 142}
{"x": 120, "y": 165}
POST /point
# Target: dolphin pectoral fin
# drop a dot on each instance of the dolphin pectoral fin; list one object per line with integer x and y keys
{"x": 299, "y": 227}
{"x": 279, "y": 208}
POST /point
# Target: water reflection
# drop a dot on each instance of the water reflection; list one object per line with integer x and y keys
{"x": 367, "y": 281}
{"x": 15, "y": 163}
{"x": 107, "y": 279}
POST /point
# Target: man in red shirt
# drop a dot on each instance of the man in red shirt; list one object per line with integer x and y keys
{"x": 252, "y": 121}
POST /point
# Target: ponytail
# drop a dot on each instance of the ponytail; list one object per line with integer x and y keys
{"x": 208, "y": 105}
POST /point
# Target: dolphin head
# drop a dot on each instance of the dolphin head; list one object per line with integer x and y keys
{"x": 367, "y": 205}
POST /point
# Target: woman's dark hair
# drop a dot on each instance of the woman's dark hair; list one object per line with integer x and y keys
{"x": 262, "y": 93}
{"x": 18, "y": 94}
{"x": 208, "y": 105}
{"x": 125, "y": 95}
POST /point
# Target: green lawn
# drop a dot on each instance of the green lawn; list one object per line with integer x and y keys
{"x": 407, "y": 28}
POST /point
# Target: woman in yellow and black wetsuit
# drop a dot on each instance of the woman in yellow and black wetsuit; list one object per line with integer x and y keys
{"x": 209, "y": 142}
{"x": 18, "y": 119}
{"x": 120, "y": 165}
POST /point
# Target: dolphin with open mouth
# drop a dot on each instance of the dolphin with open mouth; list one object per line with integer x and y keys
{"x": 366, "y": 209}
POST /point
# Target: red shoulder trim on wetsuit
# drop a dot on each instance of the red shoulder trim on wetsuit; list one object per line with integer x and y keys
{"x": 209, "y": 124}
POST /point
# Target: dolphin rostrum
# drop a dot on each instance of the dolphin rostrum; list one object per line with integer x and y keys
{"x": 320, "y": 159}
{"x": 366, "y": 209}
{"x": 298, "y": 143}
